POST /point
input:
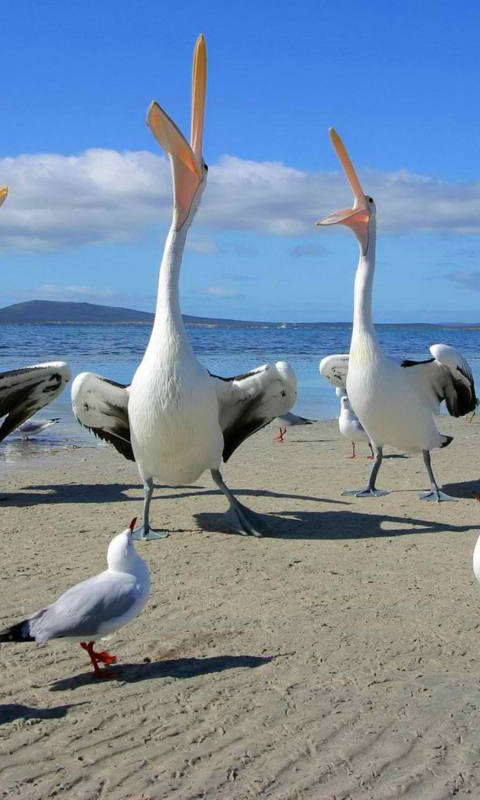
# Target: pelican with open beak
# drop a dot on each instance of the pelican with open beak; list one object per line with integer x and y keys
{"x": 177, "y": 419}
{"x": 394, "y": 401}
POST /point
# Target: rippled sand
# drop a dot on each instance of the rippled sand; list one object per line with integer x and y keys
{"x": 336, "y": 659}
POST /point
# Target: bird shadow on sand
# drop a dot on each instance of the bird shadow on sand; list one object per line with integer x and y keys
{"x": 336, "y": 525}
{"x": 462, "y": 490}
{"x": 13, "y": 711}
{"x": 115, "y": 493}
{"x": 81, "y": 493}
{"x": 180, "y": 668}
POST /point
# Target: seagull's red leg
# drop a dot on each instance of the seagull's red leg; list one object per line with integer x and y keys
{"x": 94, "y": 658}
{"x": 279, "y": 438}
{"x": 371, "y": 451}
{"x": 353, "y": 450}
{"x": 105, "y": 657}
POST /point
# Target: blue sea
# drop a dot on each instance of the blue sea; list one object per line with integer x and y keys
{"x": 115, "y": 351}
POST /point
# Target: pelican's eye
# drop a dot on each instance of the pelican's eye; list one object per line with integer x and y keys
{"x": 370, "y": 199}
{"x": 205, "y": 167}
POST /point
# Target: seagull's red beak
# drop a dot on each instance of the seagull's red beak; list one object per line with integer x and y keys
{"x": 132, "y": 524}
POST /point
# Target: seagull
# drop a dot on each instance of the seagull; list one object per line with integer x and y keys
{"x": 34, "y": 426}
{"x": 395, "y": 401}
{"x": 177, "y": 419}
{"x": 95, "y": 608}
{"x": 287, "y": 421}
{"x": 350, "y": 426}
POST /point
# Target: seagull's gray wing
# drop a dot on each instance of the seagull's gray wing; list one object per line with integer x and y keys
{"x": 85, "y": 608}
{"x": 25, "y": 391}
{"x": 101, "y": 405}
{"x": 249, "y": 402}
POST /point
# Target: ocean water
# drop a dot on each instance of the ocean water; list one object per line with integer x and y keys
{"x": 115, "y": 351}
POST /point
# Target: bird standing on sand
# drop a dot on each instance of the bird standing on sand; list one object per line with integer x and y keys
{"x": 395, "y": 401}
{"x": 289, "y": 420}
{"x": 350, "y": 426}
{"x": 94, "y": 608}
{"x": 177, "y": 419}
{"x": 32, "y": 427}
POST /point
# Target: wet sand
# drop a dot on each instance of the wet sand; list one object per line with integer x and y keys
{"x": 337, "y": 659}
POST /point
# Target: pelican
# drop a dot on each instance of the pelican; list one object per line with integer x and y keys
{"x": 26, "y": 390}
{"x": 176, "y": 419}
{"x": 395, "y": 401}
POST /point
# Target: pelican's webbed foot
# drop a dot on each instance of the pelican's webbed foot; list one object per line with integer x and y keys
{"x": 436, "y": 496}
{"x": 148, "y": 534}
{"x": 245, "y": 521}
{"x": 366, "y": 493}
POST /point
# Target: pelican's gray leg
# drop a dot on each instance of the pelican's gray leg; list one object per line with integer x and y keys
{"x": 238, "y": 516}
{"x": 435, "y": 494}
{"x": 145, "y": 533}
{"x": 371, "y": 491}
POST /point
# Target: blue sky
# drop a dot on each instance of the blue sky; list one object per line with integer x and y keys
{"x": 90, "y": 190}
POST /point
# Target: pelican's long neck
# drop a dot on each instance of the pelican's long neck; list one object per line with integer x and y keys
{"x": 168, "y": 337}
{"x": 362, "y": 309}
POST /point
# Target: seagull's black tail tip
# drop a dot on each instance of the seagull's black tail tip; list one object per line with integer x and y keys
{"x": 16, "y": 633}
{"x": 448, "y": 440}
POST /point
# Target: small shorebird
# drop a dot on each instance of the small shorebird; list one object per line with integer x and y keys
{"x": 289, "y": 420}
{"x": 177, "y": 419}
{"x": 350, "y": 426}
{"x": 32, "y": 427}
{"x": 94, "y": 608}
{"x": 395, "y": 401}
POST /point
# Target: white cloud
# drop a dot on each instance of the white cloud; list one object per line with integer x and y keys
{"x": 218, "y": 291}
{"x": 203, "y": 247}
{"x": 308, "y": 251}
{"x": 464, "y": 279}
{"x": 107, "y": 197}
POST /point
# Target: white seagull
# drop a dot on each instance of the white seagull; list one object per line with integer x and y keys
{"x": 289, "y": 420}
{"x": 32, "y": 427}
{"x": 350, "y": 426}
{"x": 95, "y": 608}
{"x": 395, "y": 401}
{"x": 26, "y": 390}
{"x": 177, "y": 419}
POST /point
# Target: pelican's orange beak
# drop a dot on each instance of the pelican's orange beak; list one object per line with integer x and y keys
{"x": 358, "y": 216}
{"x": 3, "y": 194}
{"x": 186, "y": 159}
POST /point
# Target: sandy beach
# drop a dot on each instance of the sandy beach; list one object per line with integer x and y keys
{"x": 336, "y": 659}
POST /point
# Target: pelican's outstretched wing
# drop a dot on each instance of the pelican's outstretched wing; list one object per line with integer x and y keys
{"x": 25, "y": 391}
{"x": 334, "y": 369}
{"x": 447, "y": 376}
{"x": 101, "y": 405}
{"x": 249, "y": 402}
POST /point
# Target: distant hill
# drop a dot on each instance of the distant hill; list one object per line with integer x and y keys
{"x": 38, "y": 312}
{"x": 55, "y": 312}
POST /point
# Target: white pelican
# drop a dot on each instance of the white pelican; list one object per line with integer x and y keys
{"x": 289, "y": 420}
{"x": 177, "y": 419}
{"x": 94, "y": 608}
{"x": 25, "y": 391}
{"x": 395, "y": 401}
